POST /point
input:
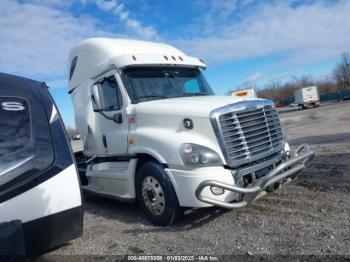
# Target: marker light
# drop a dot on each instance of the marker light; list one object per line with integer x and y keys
{"x": 131, "y": 119}
{"x": 241, "y": 93}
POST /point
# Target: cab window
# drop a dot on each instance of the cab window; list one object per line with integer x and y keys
{"x": 112, "y": 99}
{"x": 192, "y": 87}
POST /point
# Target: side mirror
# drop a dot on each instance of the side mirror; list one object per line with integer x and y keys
{"x": 96, "y": 90}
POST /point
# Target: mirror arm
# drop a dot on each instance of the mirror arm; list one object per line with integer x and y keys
{"x": 105, "y": 116}
{"x": 96, "y": 105}
{"x": 117, "y": 118}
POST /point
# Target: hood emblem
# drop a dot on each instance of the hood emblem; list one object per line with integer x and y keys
{"x": 250, "y": 107}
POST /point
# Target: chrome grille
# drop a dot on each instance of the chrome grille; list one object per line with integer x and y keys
{"x": 248, "y": 133}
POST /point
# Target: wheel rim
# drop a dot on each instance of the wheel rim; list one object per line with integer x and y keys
{"x": 153, "y": 195}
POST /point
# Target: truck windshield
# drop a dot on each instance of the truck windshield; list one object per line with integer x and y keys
{"x": 153, "y": 83}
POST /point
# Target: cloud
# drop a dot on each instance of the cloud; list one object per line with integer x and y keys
{"x": 57, "y": 83}
{"x": 213, "y": 14}
{"x": 253, "y": 78}
{"x": 37, "y": 35}
{"x": 118, "y": 9}
{"x": 281, "y": 76}
{"x": 52, "y": 3}
{"x": 304, "y": 33}
{"x": 35, "y": 39}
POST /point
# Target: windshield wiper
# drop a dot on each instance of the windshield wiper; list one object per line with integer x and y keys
{"x": 152, "y": 96}
{"x": 196, "y": 94}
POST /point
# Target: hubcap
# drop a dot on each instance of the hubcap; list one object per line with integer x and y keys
{"x": 153, "y": 195}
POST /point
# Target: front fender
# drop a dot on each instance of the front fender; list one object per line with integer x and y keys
{"x": 163, "y": 144}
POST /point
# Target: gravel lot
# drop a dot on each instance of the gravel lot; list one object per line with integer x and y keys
{"x": 310, "y": 216}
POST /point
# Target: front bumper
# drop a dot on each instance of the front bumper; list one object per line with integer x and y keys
{"x": 283, "y": 173}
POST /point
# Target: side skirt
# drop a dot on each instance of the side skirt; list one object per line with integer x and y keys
{"x": 88, "y": 190}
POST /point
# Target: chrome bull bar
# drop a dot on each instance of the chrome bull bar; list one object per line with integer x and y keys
{"x": 285, "y": 172}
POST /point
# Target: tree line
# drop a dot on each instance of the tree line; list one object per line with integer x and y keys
{"x": 279, "y": 91}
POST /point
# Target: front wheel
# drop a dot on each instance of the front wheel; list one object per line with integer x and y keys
{"x": 156, "y": 195}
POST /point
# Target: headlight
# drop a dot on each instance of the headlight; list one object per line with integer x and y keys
{"x": 192, "y": 154}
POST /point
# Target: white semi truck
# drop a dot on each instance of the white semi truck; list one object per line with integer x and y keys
{"x": 307, "y": 97}
{"x": 154, "y": 132}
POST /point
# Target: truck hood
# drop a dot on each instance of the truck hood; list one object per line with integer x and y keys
{"x": 195, "y": 106}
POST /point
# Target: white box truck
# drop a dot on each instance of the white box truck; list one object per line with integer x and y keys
{"x": 154, "y": 132}
{"x": 307, "y": 97}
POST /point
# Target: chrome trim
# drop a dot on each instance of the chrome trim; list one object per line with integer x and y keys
{"x": 253, "y": 168}
{"x": 237, "y": 108}
{"x": 16, "y": 164}
{"x": 284, "y": 173}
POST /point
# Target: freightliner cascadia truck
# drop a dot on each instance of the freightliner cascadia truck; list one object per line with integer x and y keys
{"x": 154, "y": 132}
{"x": 40, "y": 200}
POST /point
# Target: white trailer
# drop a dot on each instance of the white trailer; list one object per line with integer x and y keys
{"x": 307, "y": 97}
{"x": 154, "y": 132}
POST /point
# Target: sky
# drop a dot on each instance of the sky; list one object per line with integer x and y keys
{"x": 244, "y": 42}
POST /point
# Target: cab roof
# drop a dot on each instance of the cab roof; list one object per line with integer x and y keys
{"x": 115, "y": 46}
{"x": 94, "y": 56}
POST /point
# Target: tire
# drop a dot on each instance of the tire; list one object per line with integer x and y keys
{"x": 156, "y": 195}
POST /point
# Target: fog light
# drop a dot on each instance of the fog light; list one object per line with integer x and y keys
{"x": 217, "y": 190}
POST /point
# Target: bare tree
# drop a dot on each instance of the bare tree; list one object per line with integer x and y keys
{"x": 304, "y": 80}
{"x": 327, "y": 85}
{"x": 284, "y": 91}
{"x": 341, "y": 72}
{"x": 267, "y": 92}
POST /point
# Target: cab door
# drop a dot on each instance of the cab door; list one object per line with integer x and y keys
{"x": 111, "y": 118}
{"x": 39, "y": 183}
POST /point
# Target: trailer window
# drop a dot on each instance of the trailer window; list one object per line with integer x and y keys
{"x": 15, "y": 131}
{"x": 26, "y": 148}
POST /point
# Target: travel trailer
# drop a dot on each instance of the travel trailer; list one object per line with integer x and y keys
{"x": 154, "y": 132}
{"x": 40, "y": 200}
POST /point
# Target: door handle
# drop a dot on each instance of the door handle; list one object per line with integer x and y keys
{"x": 104, "y": 141}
